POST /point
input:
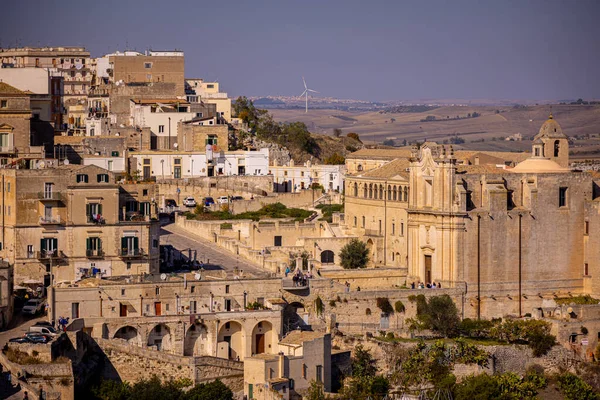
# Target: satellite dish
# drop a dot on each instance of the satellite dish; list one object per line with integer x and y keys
{"x": 163, "y": 277}
{"x": 175, "y": 145}
{"x": 66, "y": 162}
{"x": 197, "y": 276}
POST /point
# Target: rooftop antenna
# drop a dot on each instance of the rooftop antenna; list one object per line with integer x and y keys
{"x": 305, "y": 94}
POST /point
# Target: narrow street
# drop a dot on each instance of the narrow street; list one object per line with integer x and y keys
{"x": 208, "y": 253}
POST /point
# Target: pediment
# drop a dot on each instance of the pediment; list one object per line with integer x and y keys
{"x": 6, "y": 127}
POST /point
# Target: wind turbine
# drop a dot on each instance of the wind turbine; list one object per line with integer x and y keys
{"x": 305, "y": 93}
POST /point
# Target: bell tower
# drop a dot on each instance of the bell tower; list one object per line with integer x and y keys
{"x": 555, "y": 143}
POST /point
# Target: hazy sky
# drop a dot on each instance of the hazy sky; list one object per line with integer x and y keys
{"x": 371, "y": 50}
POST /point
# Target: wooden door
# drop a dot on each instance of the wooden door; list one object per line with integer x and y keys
{"x": 427, "y": 269}
{"x": 157, "y": 309}
{"x": 75, "y": 310}
{"x": 123, "y": 310}
{"x": 260, "y": 343}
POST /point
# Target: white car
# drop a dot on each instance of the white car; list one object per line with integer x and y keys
{"x": 223, "y": 200}
{"x": 33, "y": 307}
{"x": 44, "y": 330}
{"x": 189, "y": 202}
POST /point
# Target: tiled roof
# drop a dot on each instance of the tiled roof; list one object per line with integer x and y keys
{"x": 462, "y": 155}
{"x": 403, "y": 152}
{"x": 5, "y": 88}
{"x": 296, "y": 338}
{"x": 392, "y": 169}
{"x": 480, "y": 169}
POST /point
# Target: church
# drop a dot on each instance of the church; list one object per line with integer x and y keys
{"x": 511, "y": 229}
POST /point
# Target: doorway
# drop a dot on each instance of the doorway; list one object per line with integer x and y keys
{"x": 123, "y": 310}
{"x": 227, "y": 339}
{"x": 74, "y": 310}
{"x": 157, "y": 308}
{"x": 427, "y": 269}
{"x": 260, "y": 343}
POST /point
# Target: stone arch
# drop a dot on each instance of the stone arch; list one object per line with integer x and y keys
{"x": 264, "y": 338}
{"x": 405, "y": 193}
{"x": 389, "y": 194}
{"x": 161, "y": 337}
{"x": 130, "y": 334}
{"x": 327, "y": 257}
{"x": 365, "y": 190}
{"x": 370, "y": 190}
{"x": 556, "y": 147}
{"x": 395, "y": 197}
{"x": 397, "y": 258}
{"x": 371, "y": 248}
{"x": 359, "y": 168}
{"x": 355, "y": 189}
{"x": 197, "y": 341}
{"x": 380, "y": 192}
{"x": 230, "y": 340}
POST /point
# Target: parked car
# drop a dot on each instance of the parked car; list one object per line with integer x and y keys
{"x": 22, "y": 339}
{"x": 44, "y": 330}
{"x": 170, "y": 203}
{"x": 223, "y": 200}
{"x": 43, "y": 323}
{"x": 208, "y": 201}
{"x": 237, "y": 198}
{"x": 35, "y": 337}
{"x": 33, "y": 306}
{"x": 189, "y": 202}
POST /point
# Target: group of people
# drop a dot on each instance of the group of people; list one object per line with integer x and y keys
{"x": 421, "y": 285}
{"x": 299, "y": 278}
{"x": 62, "y": 323}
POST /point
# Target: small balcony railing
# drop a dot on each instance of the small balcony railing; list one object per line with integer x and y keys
{"x": 7, "y": 149}
{"x": 51, "y": 220}
{"x": 97, "y": 253}
{"x": 91, "y": 219}
{"x": 132, "y": 253}
{"x": 48, "y": 255}
{"x": 50, "y": 196}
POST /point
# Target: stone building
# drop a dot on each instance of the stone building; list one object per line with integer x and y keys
{"x": 197, "y": 133}
{"x": 70, "y": 63}
{"x": 187, "y": 315}
{"x": 72, "y": 221}
{"x": 509, "y": 232}
{"x": 199, "y": 91}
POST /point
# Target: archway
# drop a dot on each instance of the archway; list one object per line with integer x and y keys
{"x": 128, "y": 333}
{"x": 160, "y": 337}
{"x": 197, "y": 341}
{"x": 327, "y": 257}
{"x": 556, "y": 148}
{"x": 262, "y": 338}
{"x": 371, "y": 249}
{"x": 231, "y": 341}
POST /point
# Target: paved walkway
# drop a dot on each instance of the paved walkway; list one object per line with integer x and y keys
{"x": 208, "y": 252}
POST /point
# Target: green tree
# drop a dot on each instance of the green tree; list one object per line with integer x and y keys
{"x": 315, "y": 391}
{"x": 438, "y": 314}
{"x": 353, "y": 135}
{"x": 574, "y": 388}
{"x": 388, "y": 142}
{"x": 363, "y": 363}
{"x": 354, "y": 255}
{"x": 215, "y": 390}
{"x": 337, "y": 132}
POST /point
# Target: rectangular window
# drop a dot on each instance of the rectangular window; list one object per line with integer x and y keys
{"x": 192, "y": 289}
{"x": 363, "y": 221}
{"x": 122, "y": 292}
{"x": 155, "y": 243}
{"x": 304, "y": 370}
{"x": 48, "y": 190}
{"x": 562, "y": 197}
{"x": 193, "y": 306}
{"x": 103, "y": 178}
{"x": 226, "y": 288}
{"x": 393, "y": 228}
{"x": 30, "y": 251}
{"x": 8, "y": 187}
{"x": 319, "y": 374}
{"x": 586, "y": 270}
{"x": 3, "y": 103}
{"x": 82, "y": 178}
{"x": 148, "y": 65}
{"x": 402, "y": 229}
{"x": 161, "y": 129}
{"x": 227, "y": 305}
{"x": 277, "y": 241}
{"x": 110, "y": 165}
{"x": 586, "y": 228}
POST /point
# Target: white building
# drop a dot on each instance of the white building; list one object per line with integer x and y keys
{"x": 177, "y": 165}
{"x": 197, "y": 90}
{"x": 162, "y": 117}
{"x": 292, "y": 178}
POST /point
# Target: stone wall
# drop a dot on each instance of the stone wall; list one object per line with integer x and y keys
{"x": 214, "y": 186}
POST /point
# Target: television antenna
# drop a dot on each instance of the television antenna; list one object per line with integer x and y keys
{"x": 305, "y": 94}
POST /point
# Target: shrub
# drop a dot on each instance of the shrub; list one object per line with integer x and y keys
{"x": 354, "y": 136}
{"x": 383, "y": 303}
{"x": 583, "y": 299}
{"x": 390, "y": 335}
{"x": 439, "y": 314}
{"x": 332, "y": 303}
{"x": 399, "y": 307}
{"x": 335, "y": 159}
{"x": 574, "y": 388}
{"x": 535, "y": 332}
{"x": 226, "y": 225}
{"x": 368, "y": 311}
{"x": 584, "y": 330}
{"x": 475, "y": 328}
{"x": 21, "y": 357}
{"x": 354, "y": 255}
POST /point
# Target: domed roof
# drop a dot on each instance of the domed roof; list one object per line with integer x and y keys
{"x": 538, "y": 166}
{"x": 551, "y": 130}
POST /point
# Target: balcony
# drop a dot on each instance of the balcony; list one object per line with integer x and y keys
{"x": 51, "y": 221}
{"x": 97, "y": 253}
{"x": 50, "y": 255}
{"x": 50, "y": 196}
{"x": 132, "y": 253}
{"x": 7, "y": 150}
{"x": 96, "y": 220}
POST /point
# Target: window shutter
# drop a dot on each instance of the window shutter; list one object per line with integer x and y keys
{"x": 85, "y": 178}
{"x": 43, "y": 245}
{"x": 135, "y": 243}
{"x": 99, "y": 244}
{"x": 124, "y": 244}
{"x": 88, "y": 244}
{"x": 88, "y": 208}
{"x": 54, "y": 244}
{"x": 99, "y": 208}
{"x": 78, "y": 178}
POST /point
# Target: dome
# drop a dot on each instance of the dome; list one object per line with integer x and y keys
{"x": 551, "y": 129}
{"x": 538, "y": 166}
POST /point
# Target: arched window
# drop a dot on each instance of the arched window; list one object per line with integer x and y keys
{"x": 395, "y": 194}
{"x": 355, "y": 189}
{"x": 389, "y": 192}
{"x": 365, "y": 190}
{"x": 370, "y": 190}
{"x": 327, "y": 257}
{"x": 405, "y": 193}
{"x": 359, "y": 168}
{"x": 380, "y": 192}
{"x": 556, "y": 147}
{"x": 355, "y": 221}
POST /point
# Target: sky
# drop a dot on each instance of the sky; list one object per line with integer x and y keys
{"x": 369, "y": 50}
